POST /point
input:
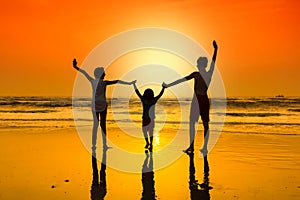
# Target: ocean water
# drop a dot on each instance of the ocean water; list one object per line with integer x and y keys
{"x": 255, "y": 115}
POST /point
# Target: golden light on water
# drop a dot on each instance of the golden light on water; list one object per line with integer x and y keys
{"x": 156, "y": 139}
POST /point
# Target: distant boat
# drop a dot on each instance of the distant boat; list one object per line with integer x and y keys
{"x": 279, "y": 96}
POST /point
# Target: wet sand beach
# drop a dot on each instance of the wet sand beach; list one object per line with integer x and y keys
{"x": 53, "y": 164}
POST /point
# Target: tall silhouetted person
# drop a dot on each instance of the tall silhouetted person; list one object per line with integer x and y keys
{"x": 148, "y": 101}
{"x": 202, "y": 79}
{"x": 99, "y": 105}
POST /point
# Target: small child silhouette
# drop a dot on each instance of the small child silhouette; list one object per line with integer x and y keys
{"x": 148, "y": 101}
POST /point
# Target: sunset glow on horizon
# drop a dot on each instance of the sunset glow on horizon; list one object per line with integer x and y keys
{"x": 258, "y": 40}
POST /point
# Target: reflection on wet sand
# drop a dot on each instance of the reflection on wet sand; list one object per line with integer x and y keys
{"x": 98, "y": 188}
{"x": 199, "y": 191}
{"x": 148, "y": 178}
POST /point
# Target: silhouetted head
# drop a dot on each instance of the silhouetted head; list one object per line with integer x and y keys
{"x": 99, "y": 72}
{"x": 148, "y": 94}
{"x": 202, "y": 62}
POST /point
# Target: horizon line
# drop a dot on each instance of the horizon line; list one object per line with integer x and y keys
{"x": 120, "y": 97}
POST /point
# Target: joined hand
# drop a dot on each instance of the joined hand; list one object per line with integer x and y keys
{"x": 164, "y": 85}
{"x": 133, "y": 82}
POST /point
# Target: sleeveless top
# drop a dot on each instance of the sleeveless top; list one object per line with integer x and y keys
{"x": 99, "y": 95}
{"x": 202, "y": 81}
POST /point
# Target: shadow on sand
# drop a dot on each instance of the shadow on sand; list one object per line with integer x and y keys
{"x": 98, "y": 188}
{"x": 148, "y": 178}
{"x": 199, "y": 191}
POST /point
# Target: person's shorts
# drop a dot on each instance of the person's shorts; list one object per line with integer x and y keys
{"x": 204, "y": 106}
{"x": 102, "y": 115}
{"x": 148, "y": 124}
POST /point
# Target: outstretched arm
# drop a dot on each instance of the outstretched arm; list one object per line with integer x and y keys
{"x": 82, "y": 71}
{"x": 189, "y": 77}
{"x": 212, "y": 65}
{"x": 174, "y": 83}
{"x": 137, "y": 91}
{"x": 119, "y": 82}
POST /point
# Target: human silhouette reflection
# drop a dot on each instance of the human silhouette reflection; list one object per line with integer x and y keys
{"x": 199, "y": 191}
{"x": 98, "y": 188}
{"x": 148, "y": 178}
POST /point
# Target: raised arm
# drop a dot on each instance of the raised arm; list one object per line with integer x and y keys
{"x": 212, "y": 65}
{"x": 189, "y": 77}
{"x": 137, "y": 91}
{"x": 82, "y": 71}
{"x": 161, "y": 93}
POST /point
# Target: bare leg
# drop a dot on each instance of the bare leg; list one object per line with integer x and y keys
{"x": 103, "y": 127}
{"x": 206, "y": 137}
{"x": 205, "y": 121}
{"x": 95, "y": 129}
{"x": 194, "y": 117}
{"x": 151, "y": 139}
{"x": 192, "y": 134}
{"x": 146, "y": 137}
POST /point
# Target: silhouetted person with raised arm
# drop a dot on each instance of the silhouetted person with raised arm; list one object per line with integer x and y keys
{"x": 98, "y": 188}
{"x": 148, "y": 101}
{"x": 199, "y": 191}
{"x": 99, "y": 105}
{"x": 202, "y": 79}
{"x": 148, "y": 178}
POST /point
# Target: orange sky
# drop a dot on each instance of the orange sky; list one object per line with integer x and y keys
{"x": 258, "y": 40}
